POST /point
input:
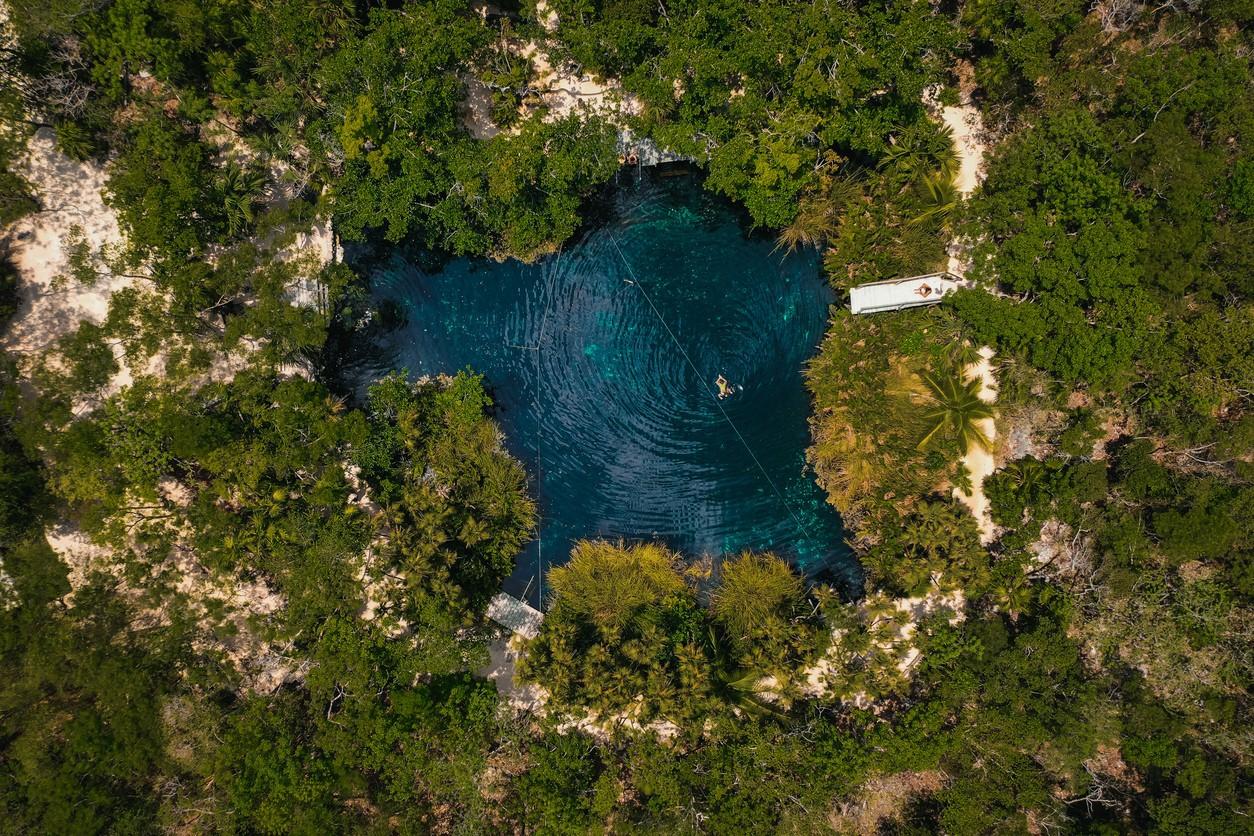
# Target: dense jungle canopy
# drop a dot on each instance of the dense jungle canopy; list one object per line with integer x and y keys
{"x": 235, "y": 598}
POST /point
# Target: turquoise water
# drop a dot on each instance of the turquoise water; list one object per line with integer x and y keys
{"x": 618, "y": 429}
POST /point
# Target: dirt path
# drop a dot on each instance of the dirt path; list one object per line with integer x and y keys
{"x": 968, "y": 132}
{"x": 967, "y": 126}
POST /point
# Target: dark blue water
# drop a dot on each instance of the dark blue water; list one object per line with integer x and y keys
{"x": 619, "y": 429}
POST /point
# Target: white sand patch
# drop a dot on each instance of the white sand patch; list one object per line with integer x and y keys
{"x": 970, "y": 141}
{"x": 263, "y": 664}
{"x": 317, "y": 243}
{"x": 979, "y": 462}
{"x": 560, "y": 91}
{"x": 565, "y": 91}
{"x": 503, "y": 655}
{"x": 53, "y": 305}
{"x": 477, "y": 109}
{"x": 967, "y": 126}
{"x": 234, "y": 612}
{"x": 546, "y": 17}
{"x": 898, "y": 619}
{"x": 603, "y": 729}
{"x": 968, "y": 130}
{"x": 79, "y": 553}
{"x": 236, "y": 616}
{"x": 70, "y": 194}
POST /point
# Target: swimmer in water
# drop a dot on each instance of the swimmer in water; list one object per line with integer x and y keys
{"x": 725, "y": 389}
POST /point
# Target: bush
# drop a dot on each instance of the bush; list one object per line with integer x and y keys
{"x": 566, "y": 789}
{"x": 1195, "y": 534}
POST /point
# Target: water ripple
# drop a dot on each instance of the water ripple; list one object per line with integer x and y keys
{"x": 598, "y": 400}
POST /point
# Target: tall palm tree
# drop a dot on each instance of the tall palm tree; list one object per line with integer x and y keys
{"x": 608, "y": 583}
{"x": 1026, "y": 474}
{"x": 818, "y": 217}
{"x": 757, "y": 595}
{"x": 955, "y": 408}
{"x": 1015, "y": 594}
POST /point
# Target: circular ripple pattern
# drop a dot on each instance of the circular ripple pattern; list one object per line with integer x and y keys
{"x": 621, "y": 435}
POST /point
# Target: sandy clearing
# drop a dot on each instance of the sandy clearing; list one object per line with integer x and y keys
{"x": 822, "y": 677}
{"x": 561, "y": 89}
{"x": 882, "y": 798}
{"x": 503, "y": 655}
{"x": 71, "y": 196}
{"x": 979, "y": 462}
{"x": 967, "y": 126}
{"x": 546, "y": 17}
{"x": 236, "y": 609}
{"x": 477, "y": 109}
{"x": 566, "y": 91}
{"x": 968, "y": 129}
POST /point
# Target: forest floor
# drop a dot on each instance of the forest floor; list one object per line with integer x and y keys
{"x": 53, "y": 305}
{"x": 71, "y": 197}
{"x": 561, "y": 89}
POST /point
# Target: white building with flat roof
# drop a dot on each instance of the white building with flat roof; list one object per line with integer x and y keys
{"x": 895, "y": 294}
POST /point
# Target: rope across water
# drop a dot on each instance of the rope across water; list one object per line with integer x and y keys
{"x": 635, "y": 282}
{"x": 594, "y": 394}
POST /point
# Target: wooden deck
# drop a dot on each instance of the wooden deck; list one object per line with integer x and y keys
{"x": 896, "y": 294}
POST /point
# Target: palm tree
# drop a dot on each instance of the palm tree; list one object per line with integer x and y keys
{"x": 921, "y": 151}
{"x": 756, "y": 596}
{"x": 818, "y": 218}
{"x": 955, "y": 408}
{"x": 1026, "y": 474}
{"x": 736, "y": 684}
{"x": 814, "y": 224}
{"x": 931, "y": 529}
{"x": 609, "y": 583}
{"x": 238, "y": 189}
{"x": 940, "y": 198}
{"x": 1015, "y": 594}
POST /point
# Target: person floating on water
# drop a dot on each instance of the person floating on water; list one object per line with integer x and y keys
{"x": 725, "y": 387}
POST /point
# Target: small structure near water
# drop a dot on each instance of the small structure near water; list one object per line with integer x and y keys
{"x": 515, "y": 615}
{"x": 896, "y": 294}
{"x": 638, "y": 150}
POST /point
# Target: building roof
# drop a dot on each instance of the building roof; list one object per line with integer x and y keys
{"x": 895, "y": 294}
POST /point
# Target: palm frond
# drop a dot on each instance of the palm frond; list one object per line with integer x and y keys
{"x": 955, "y": 408}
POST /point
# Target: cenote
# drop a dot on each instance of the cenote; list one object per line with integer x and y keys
{"x": 620, "y": 432}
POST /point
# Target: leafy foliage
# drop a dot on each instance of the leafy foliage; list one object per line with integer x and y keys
{"x": 873, "y": 408}
{"x": 625, "y": 634}
{"x": 956, "y": 409}
{"x": 1096, "y": 679}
